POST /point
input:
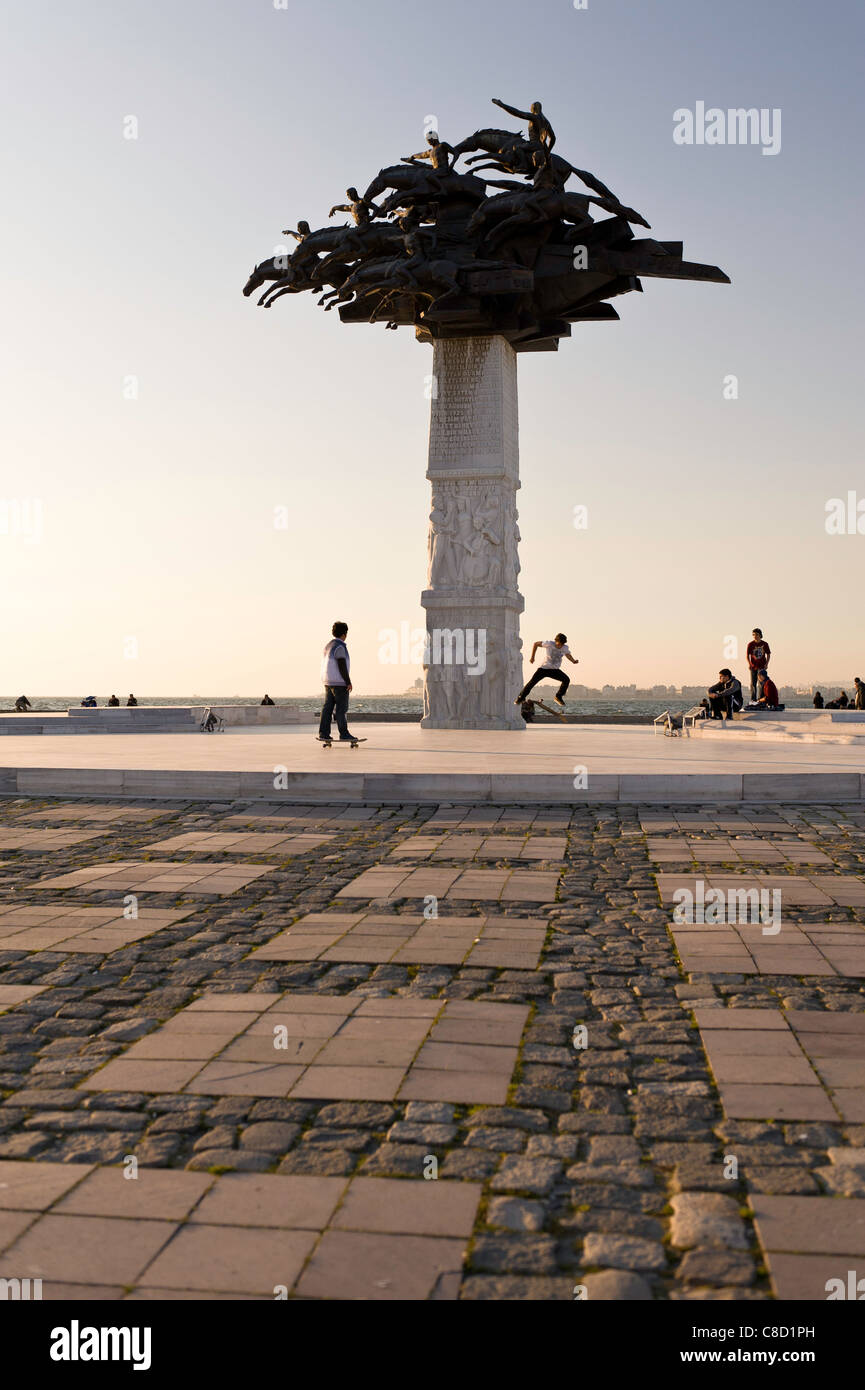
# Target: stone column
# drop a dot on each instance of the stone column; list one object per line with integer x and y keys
{"x": 473, "y": 665}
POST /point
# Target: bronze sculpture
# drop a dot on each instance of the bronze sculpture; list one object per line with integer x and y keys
{"x": 446, "y": 254}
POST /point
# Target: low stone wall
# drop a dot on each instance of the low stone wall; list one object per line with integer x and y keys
{"x": 247, "y": 715}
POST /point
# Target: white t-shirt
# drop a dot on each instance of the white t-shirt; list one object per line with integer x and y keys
{"x": 329, "y": 670}
{"x": 554, "y": 655}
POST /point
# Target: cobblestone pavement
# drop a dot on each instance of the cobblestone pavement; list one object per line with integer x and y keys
{"x": 379, "y": 1105}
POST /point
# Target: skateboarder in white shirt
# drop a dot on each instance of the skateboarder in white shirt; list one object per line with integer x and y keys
{"x": 335, "y": 666}
{"x": 552, "y": 667}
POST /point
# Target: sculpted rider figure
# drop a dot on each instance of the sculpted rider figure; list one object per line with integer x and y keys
{"x": 303, "y": 231}
{"x": 440, "y": 154}
{"x": 540, "y": 130}
{"x": 357, "y": 206}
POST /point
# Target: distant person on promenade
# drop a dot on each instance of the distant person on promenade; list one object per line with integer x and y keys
{"x": 818, "y": 700}
{"x": 22, "y": 704}
{"x": 758, "y": 655}
{"x": 840, "y": 702}
{"x": 267, "y": 700}
{"x": 335, "y": 668}
{"x": 113, "y": 702}
{"x": 132, "y": 700}
{"x": 769, "y": 694}
{"x": 555, "y": 649}
{"x": 725, "y": 698}
{"x": 859, "y": 696}
{"x": 89, "y": 702}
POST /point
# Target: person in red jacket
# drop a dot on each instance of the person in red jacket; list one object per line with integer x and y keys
{"x": 769, "y": 694}
{"x": 758, "y": 654}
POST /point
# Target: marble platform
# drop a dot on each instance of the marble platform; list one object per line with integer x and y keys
{"x": 560, "y": 764}
{"x": 845, "y": 726}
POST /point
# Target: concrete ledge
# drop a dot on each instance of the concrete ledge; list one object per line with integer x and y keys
{"x": 427, "y": 788}
{"x": 144, "y": 719}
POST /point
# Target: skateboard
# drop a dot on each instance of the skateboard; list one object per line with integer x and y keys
{"x": 329, "y": 742}
{"x": 549, "y": 709}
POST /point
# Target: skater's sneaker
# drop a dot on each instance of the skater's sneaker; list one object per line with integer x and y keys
{"x": 559, "y": 701}
{"x": 352, "y": 738}
{"x": 520, "y": 700}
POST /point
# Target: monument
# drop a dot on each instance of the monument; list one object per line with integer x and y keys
{"x": 482, "y": 276}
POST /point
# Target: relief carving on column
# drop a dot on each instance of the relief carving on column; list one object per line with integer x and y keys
{"x": 472, "y": 535}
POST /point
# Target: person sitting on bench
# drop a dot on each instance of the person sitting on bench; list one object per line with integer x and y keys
{"x": 209, "y": 721}
{"x": 22, "y": 704}
{"x": 113, "y": 702}
{"x": 726, "y": 697}
{"x": 551, "y": 668}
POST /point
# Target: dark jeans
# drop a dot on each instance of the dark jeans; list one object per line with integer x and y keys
{"x": 757, "y": 679}
{"x": 721, "y": 705}
{"x": 546, "y": 673}
{"x": 335, "y": 707}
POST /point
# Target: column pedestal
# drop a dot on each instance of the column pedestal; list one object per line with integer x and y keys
{"x": 473, "y": 663}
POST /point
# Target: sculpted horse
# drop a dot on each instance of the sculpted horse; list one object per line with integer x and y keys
{"x": 513, "y": 154}
{"x": 426, "y": 277}
{"x": 422, "y": 185}
{"x": 372, "y": 239}
{"x": 511, "y": 212}
{"x": 306, "y": 254}
{"x": 295, "y": 281}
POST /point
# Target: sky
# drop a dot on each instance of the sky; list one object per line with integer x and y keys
{"x": 156, "y": 425}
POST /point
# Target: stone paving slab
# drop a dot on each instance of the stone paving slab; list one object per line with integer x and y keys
{"x": 244, "y": 1234}
{"x": 38, "y": 841}
{"x": 194, "y": 842}
{"x": 817, "y": 890}
{"x": 504, "y": 942}
{"x": 96, "y": 930}
{"x": 303, "y": 817}
{"x": 10, "y": 995}
{"x": 810, "y": 1240}
{"x": 499, "y": 818}
{"x": 742, "y": 850}
{"x": 799, "y": 948}
{"x": 97, "y": 811}
{"x": 765, "y": 1080}
{"x": 490, "y": 885}
{"x": 479, "y": 846}
{"x": 311, "y": 1046}
{"x": 783, "y": 820}
{"x": 143, "y": 876}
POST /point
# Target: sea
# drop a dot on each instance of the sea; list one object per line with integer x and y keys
{"x": 377, "y": 704}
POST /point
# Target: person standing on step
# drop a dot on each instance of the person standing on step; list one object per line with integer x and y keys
{"x": 555, "y": 649}
{"x": 335, "y": 668}
{"x": 758, "y": 655}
